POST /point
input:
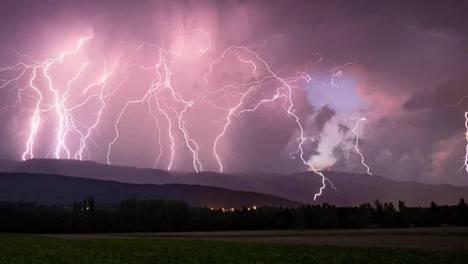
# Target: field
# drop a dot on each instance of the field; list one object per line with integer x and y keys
{"x": 347, "y": 246}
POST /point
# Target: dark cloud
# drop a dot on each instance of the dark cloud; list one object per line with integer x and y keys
{"x": 343, "y": 128}
{"x": 323, "y": 116}
{"x": 452, "y": 94}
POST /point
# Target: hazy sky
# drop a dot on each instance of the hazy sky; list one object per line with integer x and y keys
{"x": 403, "y": 65}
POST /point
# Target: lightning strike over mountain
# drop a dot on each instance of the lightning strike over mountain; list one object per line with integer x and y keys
{"x": 59, "y": 100}
{"x": 228, "y": 88}
{"x": 466, "y": 138}
{"x": 63, "y": 123}
{"x": 356, "y": 144}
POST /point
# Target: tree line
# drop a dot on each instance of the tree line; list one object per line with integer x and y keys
{"x": 167, "y": 216}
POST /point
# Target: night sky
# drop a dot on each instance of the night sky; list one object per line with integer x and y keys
{"x": 401, "y": 65}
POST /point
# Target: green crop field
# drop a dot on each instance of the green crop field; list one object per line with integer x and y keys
{"x": 39, "y": 249}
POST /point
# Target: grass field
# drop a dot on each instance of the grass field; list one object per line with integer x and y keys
{"x": 128, "y": 249}
{"x": 441, "y": 238}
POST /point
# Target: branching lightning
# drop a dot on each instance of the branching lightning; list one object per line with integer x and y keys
{"x": 284, "y": 91}
{"x": 165, "y": 103}
{"x": 356, "y": 144}
{"x": 64, "y": 121}
{"x": 466, "y": 138}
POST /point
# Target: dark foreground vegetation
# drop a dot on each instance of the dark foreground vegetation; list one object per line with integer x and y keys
{"x": 30, "y": 249}
{"x": 163, "y": 215}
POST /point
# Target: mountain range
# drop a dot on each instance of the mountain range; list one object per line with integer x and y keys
{"x": 60, "y": 190}
{"x": 350, "y": 189}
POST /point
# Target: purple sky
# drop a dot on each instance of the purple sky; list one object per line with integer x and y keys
{"x": 403, "y": 65}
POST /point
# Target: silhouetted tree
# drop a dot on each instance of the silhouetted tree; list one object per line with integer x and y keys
{"x": 162, "y": 215}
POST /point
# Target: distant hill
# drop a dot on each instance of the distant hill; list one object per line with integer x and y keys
{"x": 351, "y": 189}
{"x": 54, "y": 189}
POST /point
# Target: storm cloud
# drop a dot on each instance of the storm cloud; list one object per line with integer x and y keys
{"x": 401, "y": 64}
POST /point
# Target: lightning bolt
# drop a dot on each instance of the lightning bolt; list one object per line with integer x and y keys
{"x": 35, "y": 120}
{"x": 466, "y": 138}
{"x": 163, "y": 82}
{"x": 337, "y": 72}
{"x": 356, "y": 144}
{"x": 58, "y": 106}
{"x": 102, "y": 104}
{"x": 65, "y": 121}
{"x": 164, "y": 102}
{"x": 284, "y": 91}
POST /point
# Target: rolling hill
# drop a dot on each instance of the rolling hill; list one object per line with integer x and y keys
{"x": 351, "y": 189}
{"x": 55, "y": 189}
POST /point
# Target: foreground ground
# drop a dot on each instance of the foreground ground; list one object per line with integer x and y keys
{"x": 449, "y": 238}
{"x": 211, "y": 248}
